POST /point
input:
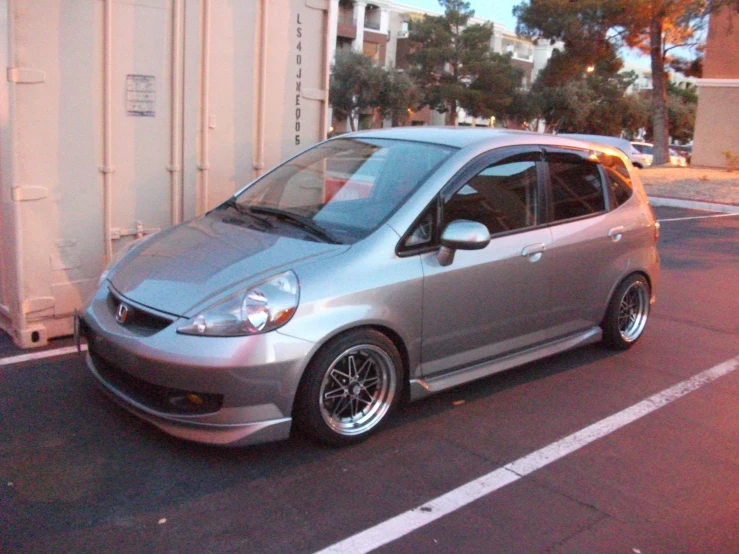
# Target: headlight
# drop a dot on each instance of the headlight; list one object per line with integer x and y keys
{"x": 258, "y": 309}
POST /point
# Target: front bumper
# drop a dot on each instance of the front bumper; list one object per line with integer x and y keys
{"x": 216, "y": 390}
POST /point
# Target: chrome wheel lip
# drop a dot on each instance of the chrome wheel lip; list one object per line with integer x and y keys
{"x": 370, "y": 390}
{"x": 633, "y": 311}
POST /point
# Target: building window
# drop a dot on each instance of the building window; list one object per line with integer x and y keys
{"x": 372, "y": 18}
{"x": 372, "y": 51}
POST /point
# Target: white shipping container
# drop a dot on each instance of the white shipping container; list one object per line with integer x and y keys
{"x": 121, "y": 117}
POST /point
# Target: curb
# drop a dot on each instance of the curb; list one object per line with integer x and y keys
{"x": 671, "y": 202}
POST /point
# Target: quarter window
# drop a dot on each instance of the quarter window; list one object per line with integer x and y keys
{"x": 617, "y": 177}
{"x": 577, "y": 189}
{"x": 503, "y": 197}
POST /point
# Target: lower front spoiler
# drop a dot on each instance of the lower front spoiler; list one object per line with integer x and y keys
{"x": 207, "y": 433}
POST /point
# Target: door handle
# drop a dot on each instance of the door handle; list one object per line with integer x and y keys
{"x": 534, "y": 251}
{"x": 616, "y": 233}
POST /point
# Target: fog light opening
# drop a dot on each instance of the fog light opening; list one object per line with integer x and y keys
{"x": 186, "y": 400}
{"x": 195, "y": 399}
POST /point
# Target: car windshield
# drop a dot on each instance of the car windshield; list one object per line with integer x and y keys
{"x": 343, "y": 188}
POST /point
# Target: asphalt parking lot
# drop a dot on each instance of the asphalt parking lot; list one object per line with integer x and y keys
{"x": 77, "y": 474}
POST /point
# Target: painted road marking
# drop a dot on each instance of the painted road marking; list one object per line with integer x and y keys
{"x": 696, "y": 217}
{"x": 411, "y": 520}
{"x": 41, "y": 355}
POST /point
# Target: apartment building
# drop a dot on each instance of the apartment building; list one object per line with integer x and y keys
{"x": 717, "y": 120}
{"x": 643, "y": 82}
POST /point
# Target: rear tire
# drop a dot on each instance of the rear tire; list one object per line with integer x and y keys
{"x": 627, "y": 313}
{"x": 350, "y": 388}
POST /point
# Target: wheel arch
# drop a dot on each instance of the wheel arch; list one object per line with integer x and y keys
{"x": 617, "y": 284}
{"x": 388, "y": 332}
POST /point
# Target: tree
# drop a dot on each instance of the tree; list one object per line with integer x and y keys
{"x": 355, "y": 84}
{"x": 681, "y": 109}
{"x": 493, "y": 89}
{"x": 656, "y": 27}
{"x": 682, "y": 105}
{"x": 398, "y": 95}
{"x": 577, "y": 98}
{"x": 453, "y": 67}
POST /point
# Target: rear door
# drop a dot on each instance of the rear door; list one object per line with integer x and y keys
{"x": 590, "y": 246}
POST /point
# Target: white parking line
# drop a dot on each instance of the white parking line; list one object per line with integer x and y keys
{"x": 411, "y": 520}
{"x": 696, "y": 217}
{"x": 40, "y": 355}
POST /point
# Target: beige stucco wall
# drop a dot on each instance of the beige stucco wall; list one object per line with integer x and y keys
{"x": 717, "y": 124}
{"x": 717, "y": 120}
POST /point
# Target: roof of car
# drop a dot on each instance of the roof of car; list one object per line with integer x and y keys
{"x": 460, "y": 137}
{"x": 484, "y": 137}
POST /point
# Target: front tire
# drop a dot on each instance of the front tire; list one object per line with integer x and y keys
{"x": 627, "y": 313}
{"x": 350, "y": 388}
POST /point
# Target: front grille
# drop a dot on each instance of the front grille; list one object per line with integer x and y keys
{"x": 162, "y": 399}
{"x": 138, "y": 320}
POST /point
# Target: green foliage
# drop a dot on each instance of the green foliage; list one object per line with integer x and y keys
{"x": 594, "y": 28}
{"x": 493, "y": 89}
{"x": 358, "y": 86}
{"x": 575, "y": 100}
{"x": 397, "y": 96}
{"x": 355, "y": 84}
{"x": 454, "y": 68}
{"x": 682, "y": 105}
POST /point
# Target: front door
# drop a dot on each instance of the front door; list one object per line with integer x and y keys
{"x": 490, "y": 302}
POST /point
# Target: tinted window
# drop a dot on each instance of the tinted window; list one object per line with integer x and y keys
{"x": 503, "y": 197}
{"x": 618, "y": 178}
{"x": 577, "y": 189}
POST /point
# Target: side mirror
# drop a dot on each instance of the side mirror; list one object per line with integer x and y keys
{"x": 462, "y": 234}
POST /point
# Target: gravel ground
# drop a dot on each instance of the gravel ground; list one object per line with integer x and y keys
{"x": 692, "y": 183}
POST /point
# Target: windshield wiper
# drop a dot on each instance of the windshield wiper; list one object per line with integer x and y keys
{"x": 246, "y": 210}
{"x": 299, "y": 220}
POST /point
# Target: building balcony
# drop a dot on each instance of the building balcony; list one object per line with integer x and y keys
{"x": 347, "y": 17}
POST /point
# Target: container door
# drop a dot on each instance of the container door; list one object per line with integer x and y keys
{"x": 143, "y": 70}
{"x": 254, "y": 91}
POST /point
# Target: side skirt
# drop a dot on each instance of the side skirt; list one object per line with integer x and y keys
{"x": 420, "y": 388}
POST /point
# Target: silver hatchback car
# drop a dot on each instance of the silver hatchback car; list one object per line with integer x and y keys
{"x": 373, "y": 266}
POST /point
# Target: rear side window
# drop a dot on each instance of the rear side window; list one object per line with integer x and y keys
{"x": 577, "y": 189}
{"x": 617, "y": 177}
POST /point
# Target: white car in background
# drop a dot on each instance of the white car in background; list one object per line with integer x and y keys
{"x": 647, "y": 149}
{"x": 637, "y": 158}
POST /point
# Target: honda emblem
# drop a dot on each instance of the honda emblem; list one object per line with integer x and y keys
{"x": 122, "y": 314}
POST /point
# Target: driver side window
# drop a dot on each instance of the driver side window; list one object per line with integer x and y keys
{"x": 503, "y": 197}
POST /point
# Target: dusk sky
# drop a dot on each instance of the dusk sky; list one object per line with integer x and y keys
{"x": 500, "y": 12}
{"x": 495, "y": 10}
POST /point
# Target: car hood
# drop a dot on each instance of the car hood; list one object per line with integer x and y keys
{"x": 193, "y": 264}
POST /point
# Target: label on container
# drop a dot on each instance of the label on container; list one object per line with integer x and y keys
{"x": 141, "y": 95}
{"x": 298, "y": 76}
